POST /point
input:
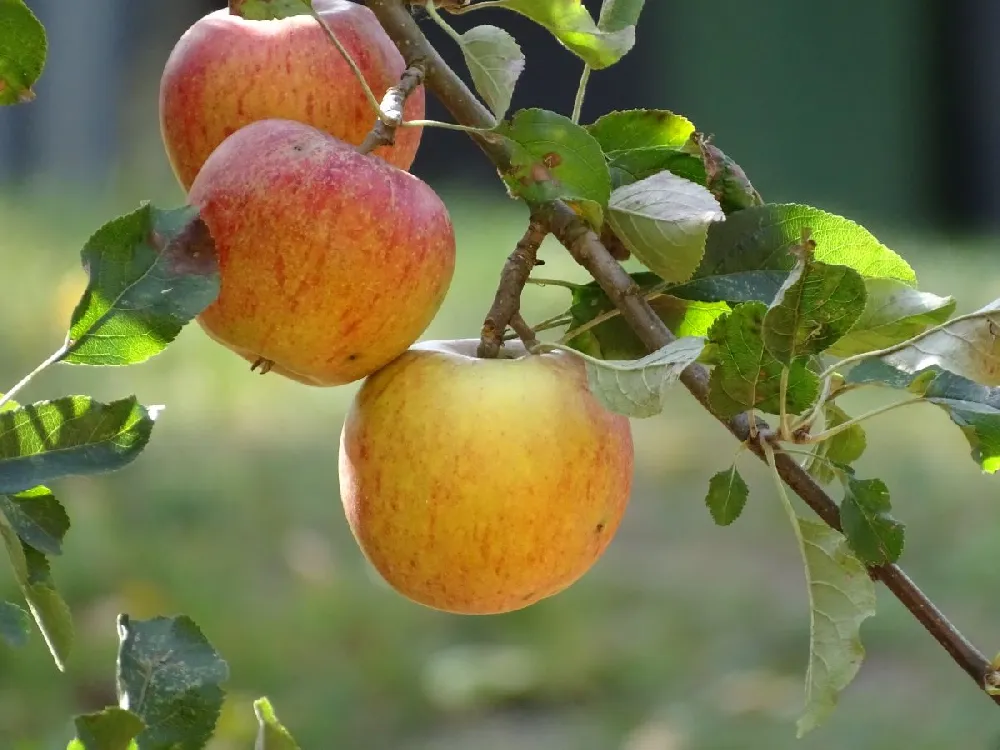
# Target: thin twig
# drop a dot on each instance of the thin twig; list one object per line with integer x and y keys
{"x": 384, "y": 132}
{"x": 523, "y": 331}
{"x": 587, "y": 249}
{"x": 507, "y": 302}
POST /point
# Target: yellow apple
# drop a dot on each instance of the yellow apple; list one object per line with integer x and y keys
{"x": 480, "y": 486}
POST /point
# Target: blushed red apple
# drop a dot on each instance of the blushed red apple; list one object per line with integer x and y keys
{"x": 332, "y": 262}
{"x": 226, "y": 72}
{"x": 481, "y": 486}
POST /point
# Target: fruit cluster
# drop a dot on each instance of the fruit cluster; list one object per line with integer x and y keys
{"x": 472, "y": 485}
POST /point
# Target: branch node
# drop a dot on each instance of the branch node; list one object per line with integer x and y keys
{"x": 393, "y": 103}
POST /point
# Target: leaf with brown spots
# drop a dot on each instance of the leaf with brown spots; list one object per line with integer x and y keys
{"x": 151, "y": 272}
{"x": 554, "y": 158}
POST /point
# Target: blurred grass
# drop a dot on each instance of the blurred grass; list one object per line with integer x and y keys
{"x": 684, "y": 636}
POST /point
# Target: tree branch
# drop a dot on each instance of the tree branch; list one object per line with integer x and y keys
{"x": 384, "y": 132}
{"x": 507, "y": 302}
{"x": 586, "y": 247}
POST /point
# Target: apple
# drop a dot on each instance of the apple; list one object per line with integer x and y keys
{"x": 481, "y": 486}
{"x": 332, "y": 262}
{"x": 226, "y": 72}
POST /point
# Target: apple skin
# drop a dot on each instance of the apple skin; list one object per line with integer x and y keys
{"x": 226, "y": 72}
{"x": 481, "y": 486}
{"x": 332, "y": 262}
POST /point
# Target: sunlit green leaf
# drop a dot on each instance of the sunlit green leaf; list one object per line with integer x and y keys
{"x": 842, "y": 449}
{"x": 33, "y": 575}
{"x": 271, "y": 735}
{"x": 638, "y": 388}
{"x": 815, "y": 307}
{"x": 170, "y": 676}
{"x": 758, "y": 239}
{"x": 727, "y": 496}
{"x": 976, "y": 410}
{"x": 269, "y": 10}
{"x": 747, "y": 375}
{"x": 571, "y": 23}
{"x": 615, "y": 339}
{"x": 23, "y": 49}
{"x": 111, "y": 729}
{"x": 151, "y": 272}
{"x": 555, "y": 158}
{"x": 642, "y": 142}
{"x": 71, "y": 435}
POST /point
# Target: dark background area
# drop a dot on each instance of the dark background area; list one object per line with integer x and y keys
{"x": 887, "y": 111}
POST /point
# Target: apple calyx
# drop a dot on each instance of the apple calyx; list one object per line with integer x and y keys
{"x": 269, "y": 10}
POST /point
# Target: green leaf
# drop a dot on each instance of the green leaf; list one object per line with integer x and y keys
{"x": 743, "y": 286}
{"x": 638, "y": 388}
{"x": 841, "y": 597}
{"x": 38, "y": 518}
{"x": 663, "y": 220}
{"x": 268, "y": 10}
{"x": 170, "y": 676}
{"x": 31, "y": 570}
{"x": 555, "y": 158}
{"x": 151, "y": 272}
{"x": 15, "y": 624}
{"x": 727, "y": 496}
{"x": 747, "y": 376}
{"x": 615, "y": 339}
{"x": 758, "y": 239}
{"x": 639, "y": 143}
{"x": 969, "y": 347}
{"x": 495, "y": 63}
{"x": 111, "y": 729}
{"x": 875, "y": 536}
{"x": 877, "y": 372}
{"x": 71, "y": 435}
{"x": 814, "y": 308}
{"x": 842, "y": 449}
{"x": 571, "y": 23}
{"x": 271, "y": 735}
{"x": 23, "y": 48}
{"x": 976, "y": 410}
{"x": 893, "y": 313}
{"x": 619, "y": 14}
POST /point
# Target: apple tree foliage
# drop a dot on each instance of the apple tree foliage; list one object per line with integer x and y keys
{"x": 790, "y": 306}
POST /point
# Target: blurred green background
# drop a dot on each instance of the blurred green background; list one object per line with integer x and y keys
{"x": 683, "y": 637}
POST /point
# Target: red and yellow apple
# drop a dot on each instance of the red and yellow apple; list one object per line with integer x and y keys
{"x": 480, "y": 486}
{"x": 332, "y": 262}
{"x": 226, "y": 72}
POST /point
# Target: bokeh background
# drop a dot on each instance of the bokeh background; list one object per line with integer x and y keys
{"x": 684, "y": 636}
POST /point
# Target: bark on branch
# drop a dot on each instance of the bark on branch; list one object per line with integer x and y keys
{"x": 384, "y": 133}
{"x": 507, "y": 302}
{"x": 588, "y": 250}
